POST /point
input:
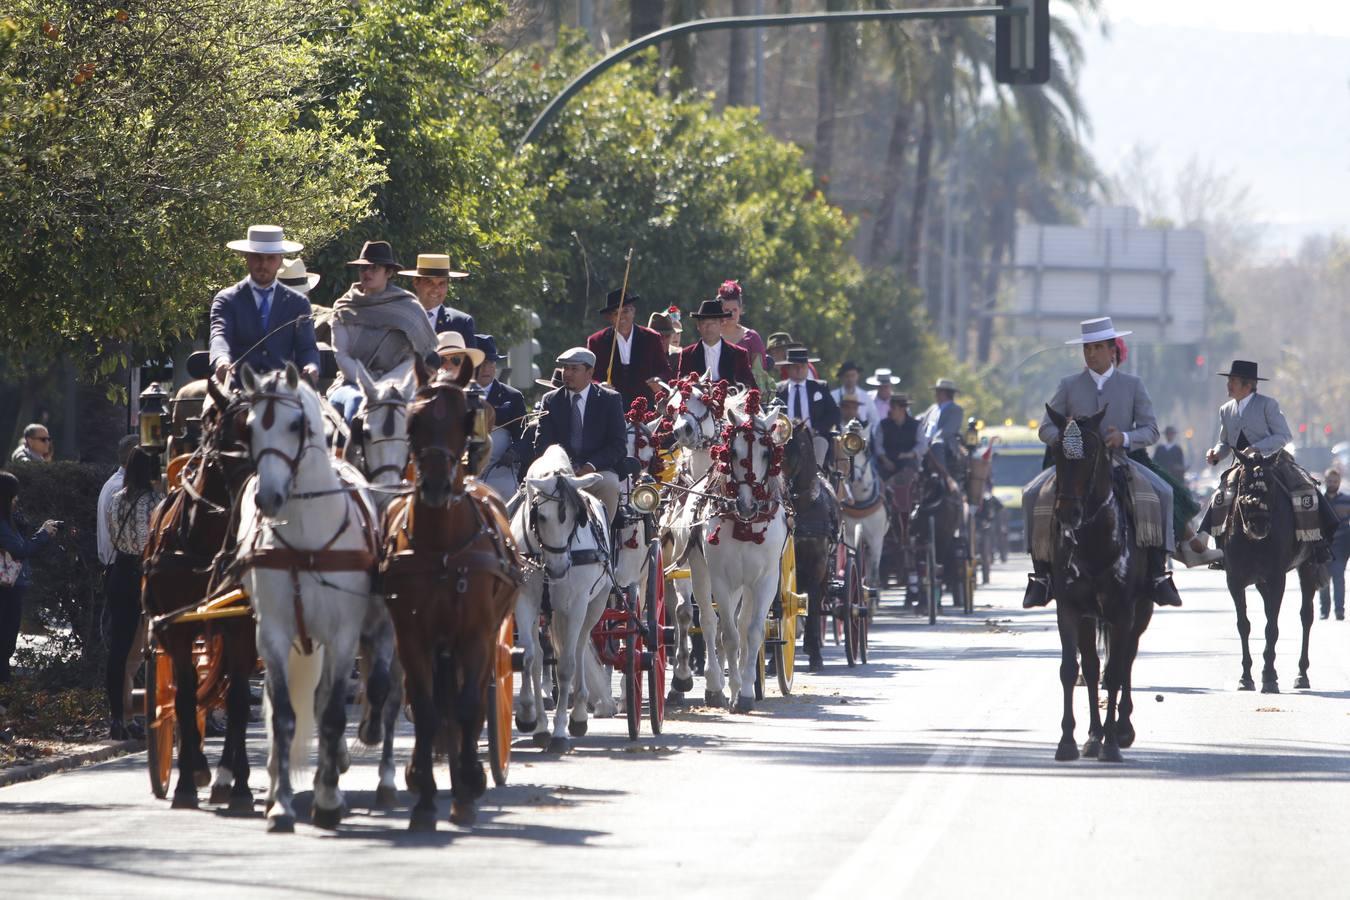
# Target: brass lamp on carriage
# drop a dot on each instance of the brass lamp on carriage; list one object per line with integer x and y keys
{"x": 154, "y": 417}
{"x": 646, "y": 498}
{"x": 853, "y": 443}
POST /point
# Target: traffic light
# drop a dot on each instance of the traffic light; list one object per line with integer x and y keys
{"x": 520, "y": 355}
{"x": 1022, "y": 43}
{"x": 1326, "y": 429}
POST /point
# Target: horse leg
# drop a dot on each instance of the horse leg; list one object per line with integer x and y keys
{"x": 330, "y": 711}
{"x": 420, "y": 674}
{"x": 1244, "y": 627}
{"x": 1272, "y": 592}
{"x": 1087, "y": 643}
{"x": 728, "y": 637}
{"x": 680, "y": 611}
{"x": 586, "y": 656}
{"x": 529, "y": 711}
{"x": 1308, "y": 583}
{"x": 567, "y": 636}
{"x": 1116, "y": 653}
{"x": 714, "y": 680}
{"x": 1068, "y": 677}
{"x": 231, "y": 784}
{"x": 281, "y": 729}
{"x": 386, "y": 793}
{"x": 755, "y": 602}
{"x": 467, "y": 778}
{"x": 599, "y": 683}
{"x": 190, "y": 759}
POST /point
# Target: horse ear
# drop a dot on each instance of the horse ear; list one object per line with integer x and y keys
{"x": 423, "y": 370}
{"x": 218, "y": 397}
{"x": 248, "y": 378}
{"x": 364, "y": 381}
{"x": 292, "y": 376}
{"x": 1056, "y": 418}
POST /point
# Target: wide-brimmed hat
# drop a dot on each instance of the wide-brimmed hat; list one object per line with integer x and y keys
{"x": 710, "y": 309}
{"x": 850, "y": 398}
{"x": 898, "y": 399}
{"x": 1243, "y": 368}
{"x": 555, "y": 382}
{"x": 376, "y": 253}
{"x": 946, "y": 384}
{"x": 1094, "y": 330}
{"x": 778, "y": 339}
{"x": 452, "y": 342}
{"x": 797, "y": 356}
{"x": 848, "y": 366}
{"x": 432, "y": 265}
{"x": 488, "y": 344}
{"x": 577, "y": 356}
{"x": 663, "y": 323}
{"x": 612, "y": 300}
{"x": 882, "y": 376}
{"x": 294, "y": 275}
{"x": 266, "y": 239}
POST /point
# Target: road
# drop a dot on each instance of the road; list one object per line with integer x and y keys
{"x": 929, "y": 773}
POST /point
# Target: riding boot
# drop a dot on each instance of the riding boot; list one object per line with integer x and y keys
{"x": 1164, "y": 591}
{"x": 1038, "y": 585}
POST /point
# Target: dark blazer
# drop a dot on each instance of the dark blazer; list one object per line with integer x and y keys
{"x": 236, "y": 326}
{"x": 1171, "y": 460}
{"x": 734, "y": 363}
{"x": 450, "y": 319}
{"x": 509, "y": 405}
{"x": 648, "y": 360}
{"x": 824, "y": 411}
{"x": 604, "y": 434}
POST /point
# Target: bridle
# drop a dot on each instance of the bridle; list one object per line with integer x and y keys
{"x": 304, "y": 444}
{"x": 388, "y": 434}
{"x": 766, "y": 505}
{"x": 1097, "y": 453}
{"x": 449, "y": 458}
{"x": 1252, "y": 495}
{"x": 564, "y": 494}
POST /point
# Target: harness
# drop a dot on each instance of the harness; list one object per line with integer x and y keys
{"x": 501, "y": 562}
{"x": 766, "y": 506}
{"x": 387, "y": 435}
{"x": 563, "y": 494}
{"x": 861, "y": 509}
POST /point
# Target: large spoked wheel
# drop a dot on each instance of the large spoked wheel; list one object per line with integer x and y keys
{"x": 161, "y": 720}
{"x": 500, "y": 690}
{"x": 790, "y": 606}
{"x": 632, "y": 688}
{"x": 854, "y": 605}
{"x": 862, "y": 615}
{"x": 656, "y": 631}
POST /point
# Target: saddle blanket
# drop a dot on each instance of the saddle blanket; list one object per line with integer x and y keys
{"x": 1302, "y": 494}
{"x": 1143, "y": 500}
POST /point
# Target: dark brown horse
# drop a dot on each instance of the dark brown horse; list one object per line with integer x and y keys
{"x": 815, "y": 534}
{"x": 938, "y": 515}
{"x": 451, "y": 574}
{"x": 191, "y": 535}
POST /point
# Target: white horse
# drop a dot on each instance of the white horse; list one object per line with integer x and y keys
{"x": 745, "y": 537}
{"x": 566, "y": 529}
{"x": 864, "y": 507}
{"x": 306, "y": 551}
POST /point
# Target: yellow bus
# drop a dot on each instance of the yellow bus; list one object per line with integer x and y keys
{"x": 1018, "y": 457}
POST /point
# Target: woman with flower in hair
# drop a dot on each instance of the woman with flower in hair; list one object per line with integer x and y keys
{"x": 733, "y": 332}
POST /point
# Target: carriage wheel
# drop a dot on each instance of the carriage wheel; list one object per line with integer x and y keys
{"x": 862, "y": 617}
{"x": 656, "y": 631}
{"x": 632, "y": 688}
{"x": 161, "y": 720}
{"x": 499, "y": 704}
{"x": 785, "y": 651}
{"x": 854, "y": 605}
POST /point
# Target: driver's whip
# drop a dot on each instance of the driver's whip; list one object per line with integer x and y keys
{"x": 623, "y": 294}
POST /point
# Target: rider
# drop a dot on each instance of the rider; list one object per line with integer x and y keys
{"x": 587, "y": 421}
{"x": 509, "y": 405}
{"x": 1252, "y": 420}
{"x": 247, "y": 318}
{"x": 430, "y": 282}
{"x": 711, "y": 355}
{"x": 901, "y": 443}
{"x": 940, "y": 425}
{"x": 1129, "y": 424}
{"x": 884, "y": 382}
{"x": 808, "y": 401}
{"x": 638, "y": 361}
{"x": 848, "y": 375}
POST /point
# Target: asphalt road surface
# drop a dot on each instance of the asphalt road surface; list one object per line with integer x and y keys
{"x": 928, "y": 773}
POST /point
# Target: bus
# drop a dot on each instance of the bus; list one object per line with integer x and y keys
{"x": 1019, "y": 457}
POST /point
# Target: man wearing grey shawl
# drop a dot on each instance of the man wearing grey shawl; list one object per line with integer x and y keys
{"x": 376, "y": 325}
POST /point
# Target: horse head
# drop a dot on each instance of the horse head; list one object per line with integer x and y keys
{"x": 284, "y": 424}
{"x": 641, "y": 432}
{"x": 440, "y": 421}
{"x": 750, "y": 455}
{"x": 225, "y": 434}
{"x": 692, "y": 412}
{"x": 1253, "y": 495}
{"x": 379, "y": 432}
{"x": 1082, "y": 466}
{"x": 556, "y": 509}
{"x": 799, "y": 459}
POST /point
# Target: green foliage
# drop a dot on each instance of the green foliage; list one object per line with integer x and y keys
{"x": 151, "y": 136}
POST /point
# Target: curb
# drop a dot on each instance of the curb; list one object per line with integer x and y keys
{"x": 19, "y": 774}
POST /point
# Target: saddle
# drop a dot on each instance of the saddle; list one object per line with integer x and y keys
{"x": 1142, "y": 505}
{"x": 501, "y": 558}
{"x": 1288, "y": 479}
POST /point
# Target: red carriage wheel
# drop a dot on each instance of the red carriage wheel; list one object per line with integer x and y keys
{"x": 656, "y": 633}
{"x": 632, "y": 687}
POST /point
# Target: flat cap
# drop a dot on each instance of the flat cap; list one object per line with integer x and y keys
{"x": 577, "y": 356}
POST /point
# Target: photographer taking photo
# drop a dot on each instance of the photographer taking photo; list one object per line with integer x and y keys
{"x": 15, "y": 572}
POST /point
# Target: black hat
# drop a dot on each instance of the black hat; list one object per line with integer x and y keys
{"x": 612, "y": 300}
{"x": 848, "y": 366}
{"x": 798, "y": 355}
{"x": 488, "y": 344}
{"x": 376, "y": 253}
{"x": 555, "y": 382}
{"x": 710, "y": 309}
{"x": 1242, "y": 368}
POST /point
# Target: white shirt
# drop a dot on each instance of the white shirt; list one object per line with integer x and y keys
{"x": 433, "y": 314}
{"x": 712, "y": 357}
{"x": 106, "y": 552}
{"x": 1245, "y": 402}
{"x": 1100, "y": 381}
{"x": 866, "y": 403}
{"x": 625, "y": 346}
{"x": 799, "y": 399}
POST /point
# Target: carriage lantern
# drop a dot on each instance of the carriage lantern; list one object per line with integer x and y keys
{"x": 153, "y": 418}
{"x": 853, "y": 443}
{"x": 646, "y": 498}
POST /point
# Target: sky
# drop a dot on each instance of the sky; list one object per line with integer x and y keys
{"x": 1266, "y": 100}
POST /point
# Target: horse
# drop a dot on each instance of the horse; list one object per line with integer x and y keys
{"x": 866, "y": 520}
{"x": 816, "y": 532}
{"x": 940, "y": 511}
{"x": 564, "y": 527}
{"x": 748, "y": 530}
{"x": 189, "y": 536}
{"x": 307, "y": 545}
{"x": 1260, "y": 548}
{"x": 1100, "y": 580}
{"x": 450, "y": 571}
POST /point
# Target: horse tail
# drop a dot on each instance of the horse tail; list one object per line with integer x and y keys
{"x": 302, "y": 682}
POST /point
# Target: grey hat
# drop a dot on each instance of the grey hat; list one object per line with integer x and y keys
{"x": 577, "y": 356}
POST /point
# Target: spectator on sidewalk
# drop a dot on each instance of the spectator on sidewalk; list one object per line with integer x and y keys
{"x": 1340, "y": 546}
{"x": 19, "y": 549}
{"x": 106, "y": 553}
{"x": 36, "y": 445}
{"x": 1169, "y": 456}
{"x": 128, "y": 519}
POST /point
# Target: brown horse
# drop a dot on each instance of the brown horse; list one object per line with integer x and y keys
{"x": 190, "y": 539}
{"x": 451, "y": 574}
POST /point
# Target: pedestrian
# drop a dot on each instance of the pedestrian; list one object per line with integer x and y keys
{"x": 128, "y": 520}
{"x": 250, "y": 319}
{"x": 1340, "y": 545}
{"x": 635, "y": 362}
{"x": 378, "y": 325}
{"x": 809, "y": 402}
{"x": 431, "y": 282}
{"x": 585, "y": 418}
{"x": 1169, "y": 456}
{"x": 34, "y": 446}
{"x": 507, "y": 435}
{"x": 15, "y": 573}
{"x": 940, "y": 425}
{"x": 899, "y": 447}
{"x": 106, "y": 552}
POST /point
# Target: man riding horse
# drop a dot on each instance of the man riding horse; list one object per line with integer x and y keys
{"x": 1128, "y": 427}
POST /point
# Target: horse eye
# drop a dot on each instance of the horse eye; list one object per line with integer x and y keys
{"x": 297, "y": 425}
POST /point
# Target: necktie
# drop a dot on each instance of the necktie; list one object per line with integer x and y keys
{"x": 576, "y": 423}
{"x": 797, "y": 401}
{"x": 265, "y": 307}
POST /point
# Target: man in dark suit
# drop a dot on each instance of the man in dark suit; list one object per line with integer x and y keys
{"x": 248, "y": 319}
{"x": 507, "y": 437}
{"x": 598, "y": 442}
{"x": 638, "y": 359}
{"x": 712, "y": 356}
{"x": 808, "y": 400}
{"x": 1169, "y": 456}
{"x": 431, "y": 282}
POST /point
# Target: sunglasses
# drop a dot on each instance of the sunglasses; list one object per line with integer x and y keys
{"x": 44, "y": 439}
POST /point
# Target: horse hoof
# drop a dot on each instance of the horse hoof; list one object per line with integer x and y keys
{"x": 550, "y": 704}
{"x": 241, "y": 803}
{"x": 184, "y": 800}
{"x": 326, "y": 819}
{"x": 1093, "y": 748}
{"x": 715, "y": 699}
{"x": 1270, "y": 687}
{"x": 281, "y": 825}
{"x": 201, "y": 778}
{"x": 1301, "y": 683}
{"x": 386, "y": 796}
{"x": 744, "y": 704}
{"x": 559, "y": 745}
{"x": 674, "y": 698}
{"x": 1110, "y": 754}
{"x": 462, "y": 813}
{"x": 422, "y": 820}
{"x": 577, "y": 729}
{"x": 541, "y": 739}
{"x": 1245, "y": 683}
{"x": 1067, "y": 751}
{"x": 526, "y": 726}
{"x": 220, "y": 793}
{"x": 682, "y": 684}
{"x": 1124, "y": 738}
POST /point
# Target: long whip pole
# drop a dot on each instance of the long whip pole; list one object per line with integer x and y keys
{"x": 614, "y": 341}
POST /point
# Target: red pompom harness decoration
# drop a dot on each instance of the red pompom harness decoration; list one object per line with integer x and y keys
{"x": 724, "y": 462}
